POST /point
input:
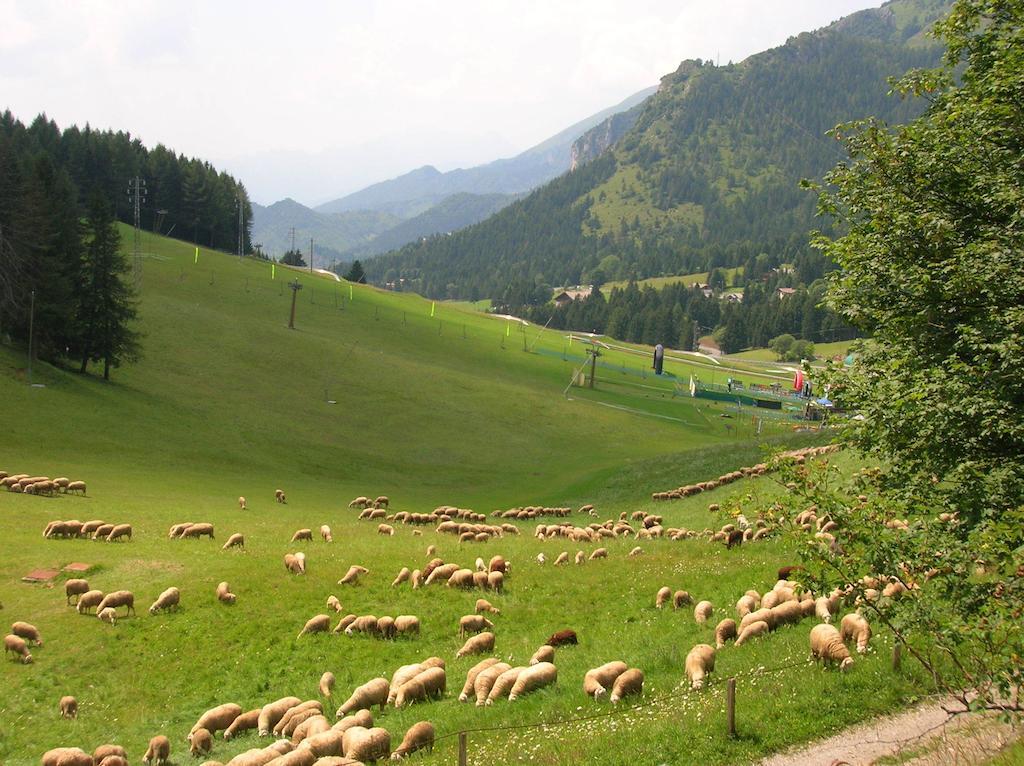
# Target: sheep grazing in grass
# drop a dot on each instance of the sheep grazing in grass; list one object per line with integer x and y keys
{"x": 307, "y": 725}
{"x": 199, "y": 530}
{"x": 752, "y": 630}
{"x": 787, "y": 613}
{"x": 28, "y": 632}
{"x": 535, "y": 677}
{"x": 296, "y": 715}
{"x": 496, "y": 581}
{"x": 326, "y": 685}
{"x": 407, "y": 625}
{"x": 581, "y": 557}
{"x": 478, "y": 644}
{"x": 485, "y": 679}
{"x": 823, "y": 608}
{"x": 67, "y": 756}
{"x": 699, "y": 662}
{"x": 403, "y": 576}
{"x": 702, "y": 612}
{"x": 344, "y": 623}
{"x": 428, "y": 683}
{"x": 760, "y": 615}
{"x": 745, "y": 606}
{"x": 597, "y": 680}
{"x": 386, "y": 627}
{"x": 158, "y": 752}
{"x": 245, "y": 722}
{"x": 359, "y": 502}
{"x": 107, "y": 615}
{"x": 662, "y": 597}
{"x": 680, "y": 599}
{"x": 224, "y": 594}
{"x": 236, "y": 540}
{"x": 563, "y": 558}
{"x": 473, "y": 623}
{"x": 854, "y": 627}
{"x": 68, "y": 707}
{"x": 169, "y": 598}
{"x": 325, "y": 533}
{"x": 400, "y": 676}
{"x": 216, "y": 719}
{"x": 273, "y": 712}
{"x": 106, "y": 751}
{"x": 374, "y": 692}
{"x": 503, "y": 684}
{"x": 75, "y": 588}
{"x": 541, "y": 559}
{"x": 562, "y": 638}
{"x": 474, "y": 671}
{"x": 637, "y": 551}
{"x": 629, "y": 683}
{"x": 118, "y": 598}
{"x": 241, "y": 503}
{"x": 353, "y": 574}
{"x": 385, "y": 529}
{"x": 827, "y": 645}
{"x": 360, "y": 718}
{"x": 333, "y": 603}
{"x": 420, "y": 736}
{"x": 599, "y": 553}
{"x": 483, "y": 605}
{"x": 75, "y": 486}
{"x": 302, "y": 534}
{"x": 725, "y": 630}
{"x": 544, "y": 654}
{"x": 319, "y": 624}
{"x": 366, "y": 745}
{"x": 279, "y": 495}
{"x": 120, "y": 531}
{"x": 88, "y": 600}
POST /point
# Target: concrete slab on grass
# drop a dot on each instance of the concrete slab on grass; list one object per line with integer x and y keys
{"x": 41, "y": 575}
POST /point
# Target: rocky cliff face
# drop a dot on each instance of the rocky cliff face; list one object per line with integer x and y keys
{"x": 602, "y": 136}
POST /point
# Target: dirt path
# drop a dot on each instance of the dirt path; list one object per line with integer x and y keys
{"x": 922, "y": 736}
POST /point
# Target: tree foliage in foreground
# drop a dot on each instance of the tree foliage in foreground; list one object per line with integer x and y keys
{"x": 932, "y": 267}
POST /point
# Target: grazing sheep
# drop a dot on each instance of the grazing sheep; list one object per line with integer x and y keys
{"x": 400, "y": 676}
{"x": 359, "y": 502}
{"x": 76, "y": 486}
{"x": 823, "y": 608}
{"x": 761, "y": 615}
{"x": 244, "y": 722}
{"x": 480, "y": 580}
{"x": 68, "y": 707}
{"x": 105, "y": 751}
{"x": 302, "y": 534}
{"x": 563, "y": 558}
{"x": 119, "y": 598}
{"x": 360, "y": 718}
{"x": 88, "y": 600}
{"x": 273, "y": 712}
{"x": 403, "y": 575}
{"x": 472, "y": 675}
{"x": 158, "y": 752}
{"x": 535, "y": 677}
{"x": 473, "y": 623}
{"x": 786, "y": 613}
{"x": 544, "y": 654}
{"x": 599, "y": 553}
{"x": 366, "y": 623}
{"x": 420, "y": 736}
{"x": 541, "y": 559}
{"x": 296, "y": 715}
{"x": 224, "y": 594}
{"x": 725, "y": 630}
{"x": 478, "y": 644}
{"x": 503, "y": 684}
{"x": 680, "y": 599}
{"x": 107, "y": 615}
{"x": 386, "y": 627}
{"x": 485, "y": 680}
{"x": 319, "y": 624}
{"x": 236, "y": 540}
{"x": 352, "y": 575}
{"x": 333, "y": 603}
{"x": 75, "y": 588}
{"x": 630, "y": 682}
{"x": 119, "y": 531}
{"x": 699, "y": 662}
{"x": 637, "y": 551}
{"x": 279, "y": 495}
{"x": 166, "y": 600}
{"x": 407, "y": 625}
{"x": 371, "y": 693}
{"x": 326, "y": 685}
{"x": 597, "y": 680}
{"x": 562, "y": 638}
{"x": 752, "y": 630}
{"x": 241, "y": 503}
{"x": 366, "y": 745}
{"x": 382, "y": 502}
{"x": 27, "y": 631}
{"x": 216, "y": 719}
{"x": 702, "y": 612}
{"x": 580, "y": 557}
{"x": 496, "y": 581}
{"x": 324, "y": 746}
{"x": 325, "y": 533}
{"x": 662, "y": 597}
{"x": 344, "y": 623}
{"x": 201, "y": 742}
{"x": 67, "y": 756}
{"x": 429, "y": 682}
{"x": 827, "y": 645}
{"x": 745, "y": 606}
{"x": 177, "y": 530}
{"x": 461, "y": 578}
{"x": 199, "y": 530}
{"x": 416, "y": 578}
{"x": 385, "y": 529}
{"x": 295, "y": 563}
{"x": 483, "y": 605}
{"x": 854, "y": 626}
{"x": 310, "y": 727}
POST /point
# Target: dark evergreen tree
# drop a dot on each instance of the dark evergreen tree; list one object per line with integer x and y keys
{"x": 356, "y": 273}
{"x": 293, "y": 258}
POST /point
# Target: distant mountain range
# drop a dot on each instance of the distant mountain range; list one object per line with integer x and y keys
{"x": 424, "y": 201}
{"x": 703, "y": 174}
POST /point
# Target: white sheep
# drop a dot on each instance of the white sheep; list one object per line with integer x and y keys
{"x": 321, "y": 623}
{"x": 725, "y": 630}
{"x": 485, "y": 679}
{"x": 107, "y": 615}
{"x": 374, "y": 692}
{"x": 827, "y": 645}
{"x": 546, "y": 653}
{"x": 169, "y": 598}
{"x": 68, "y": 707}
{"x": 407, "y": 625}
{"x": 597, "y": 680}
{"x": 326, "y": 685}
{"x": 702, "y": 612}
{"x": 353, "y": 574}
{"x": 534, "y": 677}
{"x": 699, "y": 662}
{"x": 420, "y": 736}
{"x": 273, "y": 712}
{"x": 752, "y": 630}
{"x": 854, "y": 627}
{"x": 216, "y": 719}
{"x": 325, "y": 533}
{"x": 224, "y": 594}
{"x": 478, "y": 644}
{"x": 236, "y": 540}
{"x": 628, "y": 683}
{"x": 241, "y": 503}
{"x": 662, "y": 597}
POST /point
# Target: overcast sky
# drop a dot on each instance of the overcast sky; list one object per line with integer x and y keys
{"x": 314, "y": 100}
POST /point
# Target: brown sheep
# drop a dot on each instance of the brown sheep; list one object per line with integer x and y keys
{"x": 562, "y": 638}
{"x": 158, "y": 752}
{"x": 66, "y": 756}
{"x": 420, "y": 736}
{"x": 75, "y": 588}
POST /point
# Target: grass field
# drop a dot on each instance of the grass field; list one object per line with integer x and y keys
{"x": 822, "y": 353}
{"x": 430, "y": 410}
{"x": 687, "y": 279}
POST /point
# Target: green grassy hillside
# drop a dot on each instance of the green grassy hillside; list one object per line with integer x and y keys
{"x": 448, "y": 409}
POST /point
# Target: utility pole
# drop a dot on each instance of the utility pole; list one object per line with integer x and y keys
{"x": 310, "y": 255}
{"x": 31, "y": 323}
{"x": 295, "y": 286}
{"x": 137, "y": 195}
{"x": 241, "y": 219}
{"x": 594, "y": 354}
{"x": 293, "y": 239}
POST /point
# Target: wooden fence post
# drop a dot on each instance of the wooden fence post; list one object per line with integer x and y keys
{"x": 897, "y": 652}
{"x": 730, "y": 706}
{"x": 463, "y": 760}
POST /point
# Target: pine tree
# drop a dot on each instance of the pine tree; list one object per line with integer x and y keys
{"x": 356, "y": 273}
{"x": 106, "y": 306}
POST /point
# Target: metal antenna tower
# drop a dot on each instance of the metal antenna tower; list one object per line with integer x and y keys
{"x": 137, "y": 195}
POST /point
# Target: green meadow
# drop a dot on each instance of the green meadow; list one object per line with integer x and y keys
{"x": 381, "y": 393}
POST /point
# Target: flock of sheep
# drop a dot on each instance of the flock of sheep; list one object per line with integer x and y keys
{"x": 39, "y": 485}
{"x": 309, "y": 737}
